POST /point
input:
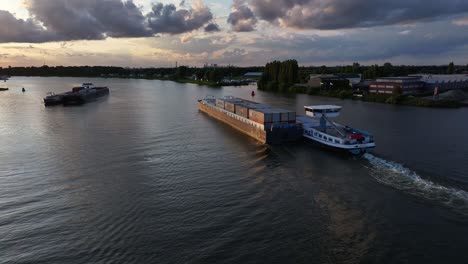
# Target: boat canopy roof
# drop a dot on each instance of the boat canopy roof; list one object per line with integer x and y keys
{"x": 323, "y": 108}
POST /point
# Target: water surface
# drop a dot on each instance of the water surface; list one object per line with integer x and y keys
{"x": 143, "y": 177}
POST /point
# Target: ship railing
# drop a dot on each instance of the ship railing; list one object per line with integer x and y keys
{"x": 336, "y": 140}
{"x": 325, "y": 137}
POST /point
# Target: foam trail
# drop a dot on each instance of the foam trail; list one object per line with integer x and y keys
{"x": 397, "y": 176}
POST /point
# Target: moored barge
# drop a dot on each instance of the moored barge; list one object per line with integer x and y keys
{"x": 83, "y": 94}
{"x": 78, "y": 96}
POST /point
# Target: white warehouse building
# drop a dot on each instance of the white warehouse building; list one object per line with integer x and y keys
{"x": 444, "y": 82}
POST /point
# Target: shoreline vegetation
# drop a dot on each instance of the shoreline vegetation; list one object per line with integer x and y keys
{"x": 281, "y": 77}
{"x": 420, "y": 100}
{"x": 209, "y": 75}
{"x": 284, "y": 77}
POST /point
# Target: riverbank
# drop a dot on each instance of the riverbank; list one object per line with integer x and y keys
{"x": 177, "y": 80}
{"x": 203, "y": 82}
{"x": 422, "y": 100}
{"x": 183, "y": 80}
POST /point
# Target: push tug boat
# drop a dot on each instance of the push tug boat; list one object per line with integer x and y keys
{"x": 319, "y": 129}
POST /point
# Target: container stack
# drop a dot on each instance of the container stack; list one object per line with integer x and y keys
{"x": 220, "y": 103}
{"x": 242, "y": 110}
{"x": 259, "y": 113}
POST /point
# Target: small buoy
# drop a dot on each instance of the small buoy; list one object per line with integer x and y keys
{"x": 24, "y": 90}
{"x": 253, "y": 93}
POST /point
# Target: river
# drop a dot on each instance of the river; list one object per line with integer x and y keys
{"x": 143, "y": 177}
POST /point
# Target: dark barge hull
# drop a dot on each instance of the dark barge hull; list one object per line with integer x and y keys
{"x": 82, "y": 98}
{"x": 52, "y": 103}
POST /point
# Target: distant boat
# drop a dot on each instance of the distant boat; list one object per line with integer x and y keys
{"x": 4, "y": 89}
{"x": 23, "y": 90}
{"x": 83, "y": 94}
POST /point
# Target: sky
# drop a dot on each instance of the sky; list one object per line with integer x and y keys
{"x": 144, "y": 33}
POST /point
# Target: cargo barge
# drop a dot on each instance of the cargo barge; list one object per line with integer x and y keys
{"x": 78, "y": 96}
{"x": 83, "y": 94}
{"x": 267, "y": 124}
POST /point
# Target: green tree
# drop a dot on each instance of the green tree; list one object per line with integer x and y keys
{"x": 356, "y": 67}
{"x": 387, "y": 69}
{"x": 181, "y": 72}
{"x": 451, "y": 68}
{"x": 323, "y": 69}
{"x": 279, "y": 76}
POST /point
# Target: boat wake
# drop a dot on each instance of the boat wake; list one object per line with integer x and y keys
{"x": 399, "y": 177}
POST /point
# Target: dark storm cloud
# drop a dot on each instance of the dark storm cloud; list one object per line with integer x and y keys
{"x": 62, "y": 20}
{"x": 89, "y": 19}
{"x": 212, "y": 27}
{"x": 241, "y": 18}
{"x": 167, "y": 19}
{"x": 383, "y": 43}
{"x": 19, "y": 30}
{"x": 337, "y": 14}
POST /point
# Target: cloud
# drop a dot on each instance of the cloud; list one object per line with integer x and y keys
{"x": 169, "y": 19}
{"x": 431, "y": 40}
{"x": 64, "y": 20}
{"x": 19, "y": 30}
{"x": 461, "y": 22}
{"x": 235, "y": 55}
{"x": 89, "y": 19}
{"x": 338, "y": 14}
{"x": 404, "y": 32}
{"x": 212, "y": 27}
{"x": 241, "y": 18}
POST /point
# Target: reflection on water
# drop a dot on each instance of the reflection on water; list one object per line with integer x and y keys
{"x": 350, "y": 235}
{"x": 143, "y": 177}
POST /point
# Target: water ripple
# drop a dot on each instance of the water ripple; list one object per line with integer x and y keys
{"x": 397, "y": 176}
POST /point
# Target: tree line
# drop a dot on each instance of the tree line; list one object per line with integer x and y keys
{"x": 181, "y": 72}
{"x": 279, "y": 76}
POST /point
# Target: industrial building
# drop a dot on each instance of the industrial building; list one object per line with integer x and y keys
{"x": 327, "y": 80}
{"x": 408, "y": 85}
{"x": 443, "y": 82}
{"x": 353, "y": 78}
